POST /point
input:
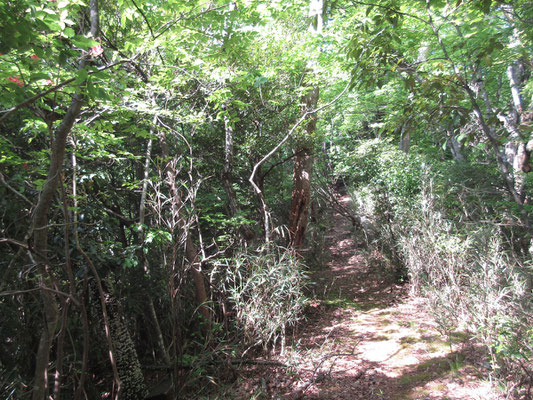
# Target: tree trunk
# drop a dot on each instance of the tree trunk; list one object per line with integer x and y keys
{"x": 405, "y": 138}
{"x": 515, "y": 149}
{"x": 40, "y": 242}
{"x": 501, "y": 160}
{"x": 131, "y": 378}
{"x": 455, "y": 146}
{"x": 227, "y": 173}
{"x": 264, "y": 212}
{"x": 40, "y": 231}
{"x": 303, "y": 170}
{"x": 160, "y": 343}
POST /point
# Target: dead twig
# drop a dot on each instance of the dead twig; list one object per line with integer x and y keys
{"x": 315, "y": 378}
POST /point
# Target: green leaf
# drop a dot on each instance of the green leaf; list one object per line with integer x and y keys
{"x": 83, "y": 42}
{"x": 81, "y": 76}
{"x": 38, "y": 76}
{"x": 69, "y": 32}
{"x": 260, "y": 80}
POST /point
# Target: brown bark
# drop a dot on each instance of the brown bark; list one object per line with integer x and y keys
{"x": 301, "y": 194}
{"x": 40, "y": 240}
{"x": 303, "y": 170}
{"x": 40, "y": 232}
{"x": 253, "y": 177}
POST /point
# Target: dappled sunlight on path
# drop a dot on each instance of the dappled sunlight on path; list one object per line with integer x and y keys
{"x": 365, "y": 338}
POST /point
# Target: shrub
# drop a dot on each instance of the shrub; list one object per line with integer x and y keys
{"x": 266, "y": 291}
{"x": 472, "y": 282}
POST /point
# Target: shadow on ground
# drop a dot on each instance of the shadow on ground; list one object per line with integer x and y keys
{"x": 369, "y": 382}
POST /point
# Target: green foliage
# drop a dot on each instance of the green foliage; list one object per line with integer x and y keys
{"x": 473, "y": 283}
{"x": 194, "y": 66}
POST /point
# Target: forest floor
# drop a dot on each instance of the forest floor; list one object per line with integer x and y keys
{"x": 365, "y": 337}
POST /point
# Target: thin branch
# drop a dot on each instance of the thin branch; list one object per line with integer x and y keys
{"x": 263, "y": 175}
{"x": 7, "y": 185}
{"x": 288, "y": 135}
{"x": 145, "y": 19}
{"x": 172, "y": 23}
{"x": 362, "y": 3}
{"x": 15, "y": 292}
{"x": 312, "y": 380}
{"x": 15, "y": 242}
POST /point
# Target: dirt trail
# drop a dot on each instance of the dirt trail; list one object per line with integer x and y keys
{"x": 365, "y": 338}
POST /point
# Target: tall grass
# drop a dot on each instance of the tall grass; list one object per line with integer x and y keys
{"x": 266, "y": 292}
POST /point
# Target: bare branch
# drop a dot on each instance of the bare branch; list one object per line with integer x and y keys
{"x": 15, "y": 292}
{"x": 289, "y": 134}
{"x": 7, "y": 185}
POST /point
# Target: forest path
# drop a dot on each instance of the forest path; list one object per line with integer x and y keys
{"x": 366, "y": 338}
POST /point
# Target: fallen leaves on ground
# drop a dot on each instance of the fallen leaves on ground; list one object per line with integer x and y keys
{"x": 366, "y": 338}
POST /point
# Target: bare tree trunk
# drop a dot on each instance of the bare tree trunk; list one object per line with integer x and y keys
{"x": 301, "y": 195}
{"x": 130, "y": 380}
{"x": 227, "y": 174}
{"x": 227, "y": 178}
{"x": 515, "y": 150}
{"x": 303, "y": 170}
{"x": 152, "y": 315}
{"x": 40, "y": 241}
{"x": 253, "y": 177}
{"x": 405, "y": 138}
{"x": 501, "y": 160}
{"x": 264, "y": 211}
{"x": 455, "y": 146}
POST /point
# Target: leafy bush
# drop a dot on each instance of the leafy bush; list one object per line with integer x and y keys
{"x": 473, "y": 283}
{"x": 266, "y": 292}
{"x": 454, "y": 233}
{"x": 385, "y": 186}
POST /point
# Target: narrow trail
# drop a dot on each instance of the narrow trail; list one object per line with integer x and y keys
{"x": 366, "y": 338}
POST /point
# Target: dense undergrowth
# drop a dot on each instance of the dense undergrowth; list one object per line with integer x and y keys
{"x": 266, "y": 292}
{"x": 447, "y": 230}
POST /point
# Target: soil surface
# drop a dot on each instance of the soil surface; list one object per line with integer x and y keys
{"x": 366, "y": 338}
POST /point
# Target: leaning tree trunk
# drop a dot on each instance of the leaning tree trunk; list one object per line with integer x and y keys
{"x": 40, "y": 231}
{"x": 303, "y": 170}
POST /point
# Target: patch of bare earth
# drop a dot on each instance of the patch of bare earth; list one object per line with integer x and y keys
{"x": 366, "y": 338}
